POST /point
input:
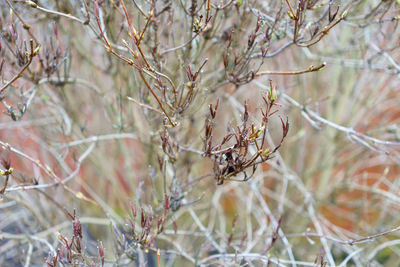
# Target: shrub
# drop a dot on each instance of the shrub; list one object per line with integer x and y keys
{"x": 199, "y": 133}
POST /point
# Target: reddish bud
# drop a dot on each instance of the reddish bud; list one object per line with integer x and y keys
{"x": 101, "y": 252}
{"x": 77, "y": 227}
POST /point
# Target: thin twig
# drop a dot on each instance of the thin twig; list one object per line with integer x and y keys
{"x": 310, "y": 69}
{"x": 31, "y": 55}
{"x": 349, "y": 131}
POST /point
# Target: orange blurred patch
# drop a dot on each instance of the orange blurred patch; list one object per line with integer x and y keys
{"x": 229, "y": 202}
{"x": 336, "y": 214}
